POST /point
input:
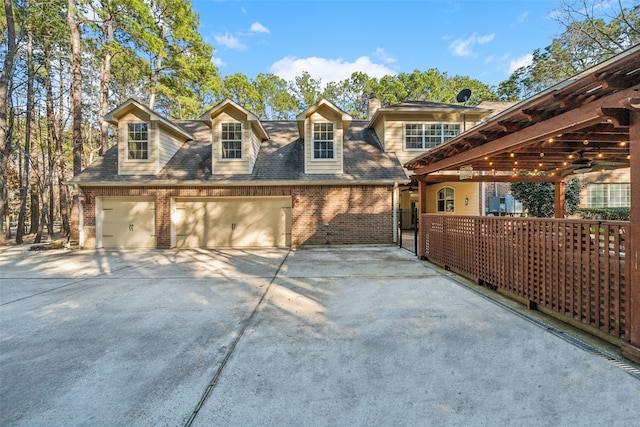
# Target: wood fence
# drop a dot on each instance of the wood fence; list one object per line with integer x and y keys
{"x": 575, "y": 268}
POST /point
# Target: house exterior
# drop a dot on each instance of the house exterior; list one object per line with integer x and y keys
{"x": 229, "y": 179}
{"x": 411, "y": 128}
{"x": 606, "y": 189}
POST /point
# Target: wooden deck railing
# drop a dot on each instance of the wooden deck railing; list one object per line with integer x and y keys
{"x": 575, "y": 268}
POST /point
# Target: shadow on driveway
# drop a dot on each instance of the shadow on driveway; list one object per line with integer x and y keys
{"x": 317, "y": 336}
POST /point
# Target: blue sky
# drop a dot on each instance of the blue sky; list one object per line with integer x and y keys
{"x": 482, "y": 39}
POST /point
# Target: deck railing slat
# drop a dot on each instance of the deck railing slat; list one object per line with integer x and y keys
{"x": 573, "y": 267}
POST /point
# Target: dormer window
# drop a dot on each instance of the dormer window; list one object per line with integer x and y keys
{"x": 137, "y": 141}
{"x": 231, "y": 141}
{"x": 424, "y": 136}
{"x": 323, "y": 143}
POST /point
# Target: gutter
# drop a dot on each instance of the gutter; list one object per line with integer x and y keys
{"x": 175, "y": 183}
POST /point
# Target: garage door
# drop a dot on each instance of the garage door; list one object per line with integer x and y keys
{"x": 233, "y": 222}
{"x": 128, "y": 223}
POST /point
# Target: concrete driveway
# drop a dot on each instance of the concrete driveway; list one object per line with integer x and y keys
{"x": 325, "y": 337}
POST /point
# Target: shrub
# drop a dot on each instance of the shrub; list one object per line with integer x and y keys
{"x": 605, "y": 214}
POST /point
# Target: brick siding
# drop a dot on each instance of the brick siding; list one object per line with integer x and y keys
{"x": 321, "y": 215}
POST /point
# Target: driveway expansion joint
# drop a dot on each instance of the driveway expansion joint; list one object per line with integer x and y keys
{"x": 232, "y": 347}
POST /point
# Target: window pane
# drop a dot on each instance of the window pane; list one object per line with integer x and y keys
{"x": 611, "y": 195}
{"x": 323, "y": 145}
{"x": 446, "y": 199}
{"x": 450, "y": 131}
{"x": 414, "y": 136}
{"x": 231, "y": 140}
{"x": 137, "y": 141}
{"x": 433, "y": 135}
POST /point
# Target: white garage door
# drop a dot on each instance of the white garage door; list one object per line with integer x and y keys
{"x": 128, "y": 223}
{"x": 233, "y": 222}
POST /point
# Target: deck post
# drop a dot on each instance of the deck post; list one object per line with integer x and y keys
{"x": 422, "y": 208}
{"x": 558, "y": 194}
{"x": 633, "y": 350}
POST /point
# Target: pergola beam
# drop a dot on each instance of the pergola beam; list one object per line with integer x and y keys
{"x": 570, "y": 121}
{"x": 435, "y": 178}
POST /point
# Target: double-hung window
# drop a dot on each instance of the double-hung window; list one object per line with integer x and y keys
{"x": 446, "y": 199}
{"x": 137, "y": 141}
{"x": 231, "y": 140}
{"x": 323, "y": 143}
{"x": 609, "y": 195}
{"x": 423, "y": 136}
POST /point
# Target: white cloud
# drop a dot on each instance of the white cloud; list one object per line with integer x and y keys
{"x": 485, "y": 39}
{"x": 382, "y": 55}
{"x": 218, "y": 62}
{"x": 257, "y": 27}
{"x": 523, "y": 16}
{"x": 523, "y": 61}
{"x": 327, "y": 70}
{"x": 463, "y": 47}
{"x": 229, "y": 41}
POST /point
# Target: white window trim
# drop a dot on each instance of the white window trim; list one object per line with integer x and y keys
{"x": 608, "y": 199}
{"x": 313, "y": 143}
{"x": 242, "y": 144}
{"x": 404, "y": 134}
{"x": 453, "y": 198}
{"x": 126, "y": 148}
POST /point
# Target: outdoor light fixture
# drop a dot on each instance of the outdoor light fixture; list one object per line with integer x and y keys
{"x": 466, "y": 201}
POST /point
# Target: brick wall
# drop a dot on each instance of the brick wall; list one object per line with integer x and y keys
{"x": 321, "y": 215}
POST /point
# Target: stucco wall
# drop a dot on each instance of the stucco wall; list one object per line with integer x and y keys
{"x": 462, "y": 191}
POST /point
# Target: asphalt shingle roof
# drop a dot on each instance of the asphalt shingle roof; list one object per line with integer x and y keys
{"x": 280, "y": 159}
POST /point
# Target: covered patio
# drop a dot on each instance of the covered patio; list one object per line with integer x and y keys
{"x": 586, "y": 273}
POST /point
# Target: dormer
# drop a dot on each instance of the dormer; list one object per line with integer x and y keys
{"x": 236, "y": 134}
{"x": 322, "y": 127}
{"x": 146, "y": 140}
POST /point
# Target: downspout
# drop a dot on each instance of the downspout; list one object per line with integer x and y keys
{"x": 80, "y": 216}
{"x": 394, "y": 201}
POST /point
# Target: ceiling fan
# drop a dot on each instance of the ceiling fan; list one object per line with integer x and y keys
{"x": 584, "y": 165}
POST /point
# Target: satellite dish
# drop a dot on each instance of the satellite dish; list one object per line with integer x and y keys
{"x": 464, "y": 95}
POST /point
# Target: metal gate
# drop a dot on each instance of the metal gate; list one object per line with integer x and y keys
{"x": 408, "y": 229}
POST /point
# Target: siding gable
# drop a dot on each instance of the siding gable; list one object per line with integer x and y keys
{"x": 324, "y": 166}
{"x": 323, "y": 112}
{"x": 252, "y": 136}
{"x": 164, "y": 138}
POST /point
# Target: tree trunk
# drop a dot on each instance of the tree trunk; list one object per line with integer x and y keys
{"x": 155, "y": 74}
{"x": 5, "y": 143}
{"x": 43, "y": 219}
{"x": 60, "y": 163}
{"x": 50, "y": 213}
{"x": 105, "y": 79}
{"x": 24, "y": 192}
{"x": 76, "y": 88}
{"x": 34, "y": 210}
{"x": 52, "y": 135}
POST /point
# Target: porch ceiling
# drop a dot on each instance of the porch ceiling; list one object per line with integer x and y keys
{"x": 579, "y": 125}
